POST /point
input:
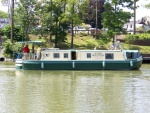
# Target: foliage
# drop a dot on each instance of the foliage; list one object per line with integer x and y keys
{"x": 148, "y": 31}
{"x": 72, "y": 15}
{"x": 54, "y": 19}
{"x": 25, "y": 16}
{"x": 133, "y": 47}
{"x": 114, "y": 17}
{"x": 88, "y": 12}
{"x": 131, "y": 38}
{"x": 11, "y": 49}
{"x": 1, "y": 33}
{"x": 3, "y": 14}
{"x": 17, "y": 32}
{"x": 141, "y": 28}
{"x": 106, "y": 38}
{"x": 147, "y": 6}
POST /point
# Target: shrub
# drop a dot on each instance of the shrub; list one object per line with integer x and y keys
{"x": 11, "y": 49}
{"x": 17, "y": 35}
{"x": 105, "y": 38}
{"x": 131, "y": 38}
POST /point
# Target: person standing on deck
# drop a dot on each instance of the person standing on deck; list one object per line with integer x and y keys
{"x": 32, "y": 54}
{"x": 38, "y": 53}
{"x": 26, "y": 52}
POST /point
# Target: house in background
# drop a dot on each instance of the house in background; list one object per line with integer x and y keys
{"x": 143, "y": 23}
{"x": 130, "y": 26}
{"x": 4, "y": 22}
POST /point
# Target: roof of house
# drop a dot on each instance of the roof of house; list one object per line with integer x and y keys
{"x": 145, "y": 20}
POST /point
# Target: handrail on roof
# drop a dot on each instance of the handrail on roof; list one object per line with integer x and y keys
{"x": 30, "y": 42}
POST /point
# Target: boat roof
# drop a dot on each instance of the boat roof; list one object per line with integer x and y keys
{"x": 58, "y": 50}
{"x": 30, "y": 42}
{"x": 131, "y": 50}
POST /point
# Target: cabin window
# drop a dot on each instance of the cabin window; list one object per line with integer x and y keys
{"x": 129, "y": 55}
{"x": 65, "y": 55}
{"x": 88, "y": 55}
{"x": 56, "y": 55}
{"x": 109, "y": 56}
{"x": 135, "y": 55}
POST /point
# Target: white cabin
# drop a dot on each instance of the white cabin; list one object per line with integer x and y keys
{"x": 63, "y": 55}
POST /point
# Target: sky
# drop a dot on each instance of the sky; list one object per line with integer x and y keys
{"x": 140, "y": 12}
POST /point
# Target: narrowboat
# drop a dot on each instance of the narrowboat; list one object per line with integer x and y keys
{"x": 56, "y": 59}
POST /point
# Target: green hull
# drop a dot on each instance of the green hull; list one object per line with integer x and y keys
{"x": 18, "y": 67}
{"x": 81, "y": 65}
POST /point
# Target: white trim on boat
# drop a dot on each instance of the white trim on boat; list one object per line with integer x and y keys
{"x": 131, "y": 63}
{"x": 103, "y": 64}
{"x": 18, "y": 65}
{"x": 42, "y": 65}
{"x": 73, "y": 64}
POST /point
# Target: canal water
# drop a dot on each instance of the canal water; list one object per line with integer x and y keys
{"x": 74, "y": 91}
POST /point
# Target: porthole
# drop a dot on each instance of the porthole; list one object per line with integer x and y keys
{"x": 47, "y": 54}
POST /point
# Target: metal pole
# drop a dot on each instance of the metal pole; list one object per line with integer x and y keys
{"x": 12, "y": 20}
{"x": 96, "y": 18}
{"x": 134, "y": 27}
{"x": 72, "y": 31}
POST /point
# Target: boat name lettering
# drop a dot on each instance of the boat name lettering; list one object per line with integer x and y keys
{"x": 98, "y": 54}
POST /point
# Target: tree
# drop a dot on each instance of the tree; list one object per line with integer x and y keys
{"x": 7, "y": 4}
{"x": 25, "y": 16}
{"x": 114, "y": 17}
{"x": 3, "y": 14}
{"x": 88, "y": 14}
{"x": 51, "y": 19}
{"x": 11, "y": 49}
{"x": 17, "y": 33}
{"x": 56, "y": 16}
{"x": 147, "y": 6}
{"x": 72, "y": 15}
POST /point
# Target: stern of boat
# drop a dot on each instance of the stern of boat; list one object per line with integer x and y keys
{"x": 18, "y": 64}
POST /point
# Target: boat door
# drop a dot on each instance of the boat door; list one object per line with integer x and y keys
{"x": 73, "y": 55}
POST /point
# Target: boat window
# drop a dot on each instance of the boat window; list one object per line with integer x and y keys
{"x": 65, "y": 55}
{"x": 88, "y": 55}
{"x": 129, "y": 55}
{"x": 109, "y": 56}
{"x": 135, "y": 55}
{"x": 56, "y": 55}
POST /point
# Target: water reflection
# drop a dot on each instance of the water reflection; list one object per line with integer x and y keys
{"x": 75, "y": 91}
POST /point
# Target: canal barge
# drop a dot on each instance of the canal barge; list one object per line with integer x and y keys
{"x": 55, "y": 59}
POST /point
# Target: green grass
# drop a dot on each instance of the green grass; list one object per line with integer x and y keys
{"x": 142, "y": 49}
{"x": 89, "y": 42}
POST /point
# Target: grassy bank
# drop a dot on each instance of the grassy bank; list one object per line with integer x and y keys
{"x": 89, "y": 42}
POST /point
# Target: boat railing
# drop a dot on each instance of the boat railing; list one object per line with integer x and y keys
{"x": 27, "y": 56}
{"x": 116, "y": 46}
{"x": 32, "y": 56}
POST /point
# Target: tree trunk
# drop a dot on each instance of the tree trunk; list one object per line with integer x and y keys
{"x": 72, "y": 33}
